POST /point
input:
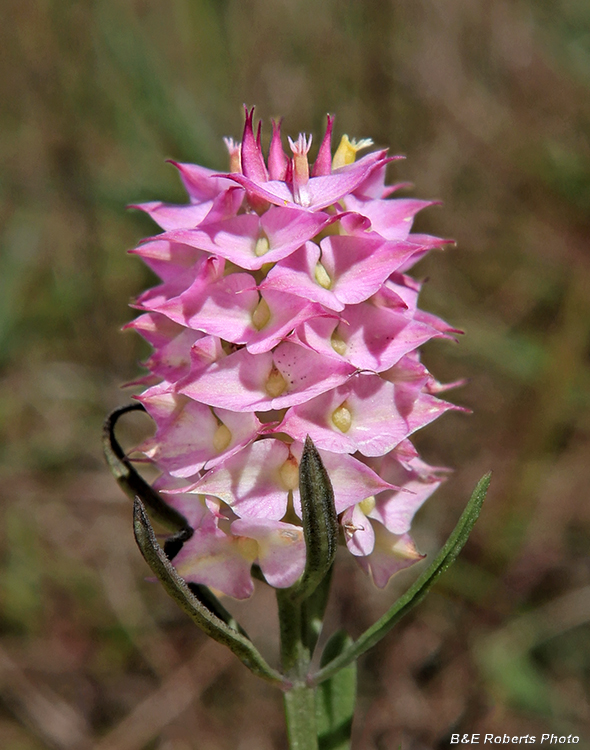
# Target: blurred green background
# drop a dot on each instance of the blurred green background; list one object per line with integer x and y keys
{"x": 490, "y": 101}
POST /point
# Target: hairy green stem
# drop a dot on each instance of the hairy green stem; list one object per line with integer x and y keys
{"x": 299, "y": 700}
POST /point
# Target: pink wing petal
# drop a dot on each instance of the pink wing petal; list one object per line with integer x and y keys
{"x": 392, "y": 219}
{"x": 215, "y": 559}
{"x": 352, "y": 480}
{"x": 190, "y": 435}
{"x": 358, "y": 532}
{"x": 369, "y": 337}
{"x": 391, "y": 554}
{"x": 380, "y": 416}
{"x": 200, "y": 183}
{"x": 241, "y": 380}
{"x": 170, "y": 216}
{"x": 167, "y": 259}
{"x": 281, "y": 548}
{"x": 251, "y": 481}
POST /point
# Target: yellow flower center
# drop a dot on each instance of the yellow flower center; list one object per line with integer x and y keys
{"x": 261, "y": 314}
{"x": 338, "y": 343}
{"x": 276, "y": 383}
{"x": 342, "y": 418}
{"x": 221, "y": 438}
{"x": 347, "y": 149}
{"x": 322, "y": 276}
{"x": 262, "y": 246}
{"x": 289, "y": 474}
{"x": 367, "y": 505}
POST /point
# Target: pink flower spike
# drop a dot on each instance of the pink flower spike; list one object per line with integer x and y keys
{"x": 277, "y": 160}
{"x": 323, "y": 162}
{"x": 283, "y": 311}
{"x": 253, "y": 166}
{"x": 281, "y": 548}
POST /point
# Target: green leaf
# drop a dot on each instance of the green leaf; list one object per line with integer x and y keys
{"x": 320, "y": 521}
{"x": 209, "y": 622}
{"x": 130, "y": 481}
{"x": 418, "y": 591}
{"x": 335, "y": 698}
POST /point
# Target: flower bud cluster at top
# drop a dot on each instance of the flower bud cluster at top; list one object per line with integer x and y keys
{"x": 285, "y": 311}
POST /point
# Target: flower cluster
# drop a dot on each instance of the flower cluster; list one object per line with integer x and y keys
{"x": 285, "y": 311}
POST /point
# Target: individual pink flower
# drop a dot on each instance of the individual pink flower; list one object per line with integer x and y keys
{"x": 284, "y": 310}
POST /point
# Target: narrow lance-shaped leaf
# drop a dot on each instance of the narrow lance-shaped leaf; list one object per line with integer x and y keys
{"x": 130, "y": 481}
{"x": 335, "y": 698}
{"x": 178, "y": 589}
{"x": 320, "y": 522}
{"x": 418, "y": 591}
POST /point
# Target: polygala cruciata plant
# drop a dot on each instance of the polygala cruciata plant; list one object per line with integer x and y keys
{"x": 284, "y": 384}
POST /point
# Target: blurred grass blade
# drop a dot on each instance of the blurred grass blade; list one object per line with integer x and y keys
{"x": 336, "y": 697}
{"x": 418, "y": 591}
{"x": 320, "y": 522}
{"x": 176, "y": 586}
{"x": 130, "y": 481}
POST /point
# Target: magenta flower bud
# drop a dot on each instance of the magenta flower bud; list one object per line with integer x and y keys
{"x": 285, "y": 311}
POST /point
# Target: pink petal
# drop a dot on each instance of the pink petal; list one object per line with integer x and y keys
{"x": 188, "y": 437}
{"x": 352, "y": 480}
{"x": 322, "y": 191}
{"x": 156, "y": 329}
{"x": 250, "y": 481}
{"x": 253, "y": 165}
{"x": 369, "y": 337}
{"x": 169, "y": 216}
{"x": 173, "y": 361}
{"x": 240, "y": 380}
{"x": 392, "y": 219}
{"x": 281, "y": 548}
{"x": 391, "y": 554}
{"x": 200, "y": 183}
{"x": 192, "y": 507}
{"x": 358, "y": 532}
{"x": 167, "y": 259}
{"x": 237, "y": 238}
{"x": 213, "y": 558}
{"x": 381, "y": 416}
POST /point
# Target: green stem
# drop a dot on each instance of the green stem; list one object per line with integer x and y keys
{"x": 299, "y": 699}
{"x": 300, "y": 715}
